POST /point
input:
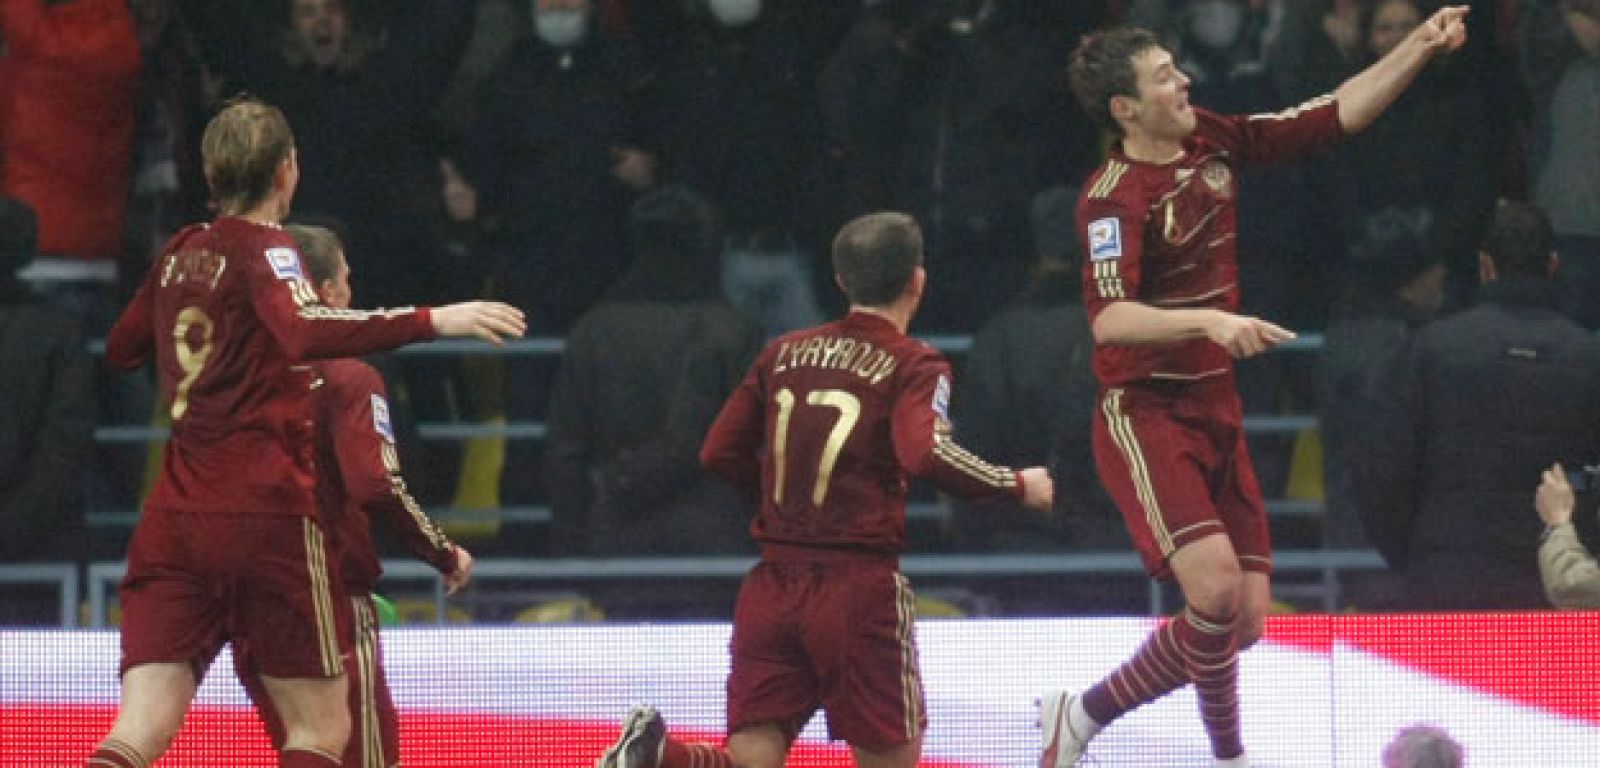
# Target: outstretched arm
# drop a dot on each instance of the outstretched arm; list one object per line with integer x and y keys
{"x": 1364, "y": 97}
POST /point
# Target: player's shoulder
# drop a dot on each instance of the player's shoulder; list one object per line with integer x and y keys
{"x": 350, "y": 376}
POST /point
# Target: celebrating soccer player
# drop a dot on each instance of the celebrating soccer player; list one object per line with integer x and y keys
{"x": 826, "y": 428}
{"x": 229, "y": 546}
{"x": 1161, "y": 289}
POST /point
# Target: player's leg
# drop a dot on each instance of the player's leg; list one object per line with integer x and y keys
{"x": 1253, "y": 608}
{"x": 155, "y": 698}
{"x": 1213, "y": 587}
{"x": 899, "y": 756}
{"x": 1148, "y": 463}
{"x": 171, "y": 627}
{"x": 298, "y": 630}
{"x": 862, "y": 640}
{"x": 374, "y": 722}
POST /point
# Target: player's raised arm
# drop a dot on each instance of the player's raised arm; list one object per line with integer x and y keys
{"x": 1365, "y": 96}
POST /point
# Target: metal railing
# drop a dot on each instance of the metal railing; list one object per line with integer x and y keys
{"x": 103, "y": 576}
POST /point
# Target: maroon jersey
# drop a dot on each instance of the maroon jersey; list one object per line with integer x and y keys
{"x": 1165, "y": 235}
{"x": 228, "y": 314}
{"x": 358, "y": 476}
{"x": 828, "y": 425}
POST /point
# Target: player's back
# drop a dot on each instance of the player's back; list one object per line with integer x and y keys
{"x": 240, "y": 411}
{"x": 830, "y": 473}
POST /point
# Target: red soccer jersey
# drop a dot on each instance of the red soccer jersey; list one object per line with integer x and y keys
{"x": 358, "y": 476}
{"x": 228, "y": 313}
{"x": 827, "y": 427}
{"x": 1165, "y": 235}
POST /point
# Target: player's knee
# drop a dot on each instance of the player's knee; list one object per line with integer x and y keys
{"x": 327, "y": 733}
{"x": 1217, "y": 591}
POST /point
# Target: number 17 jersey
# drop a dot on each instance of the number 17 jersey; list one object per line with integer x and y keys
{"x": 828, "y": 427}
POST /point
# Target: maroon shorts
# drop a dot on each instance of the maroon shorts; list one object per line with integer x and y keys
{"x": 836, "y": 635}
{"x": 374, "y": 724}
{"x": 1172, "y": 456}
{"x": 196, "y": 580}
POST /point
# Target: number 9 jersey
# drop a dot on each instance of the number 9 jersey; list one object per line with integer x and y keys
{"x": 828, "y": 426}
{"x": 229, "y": 314}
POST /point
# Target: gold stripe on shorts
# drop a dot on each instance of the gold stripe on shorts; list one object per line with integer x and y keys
{"x": 367, "y": 665}
{"x": 1121, "y": 428}
{"x": 321, "y": 598}
{"x": 910, "y": 675}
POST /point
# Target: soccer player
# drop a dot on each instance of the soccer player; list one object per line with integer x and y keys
{"x": 358, "y": 478}
{"x": 229, "y": 547}
{"x": 1161, "y": 290}
{"x": 827, "y": 428}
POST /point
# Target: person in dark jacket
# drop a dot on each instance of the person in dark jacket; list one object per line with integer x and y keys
{"x": 642, "y": 378}
{"x": 1495, "y": 394}
{"x": 1400, "y": 287}
{"x": 46, "y": 422}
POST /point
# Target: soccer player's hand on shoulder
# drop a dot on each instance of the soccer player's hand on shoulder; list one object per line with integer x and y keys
{"x": 1038, "y": 490}
{"x": 462, "y": 575}
{"x": 1244, "y": 336}
{"x": 491, "y": 321}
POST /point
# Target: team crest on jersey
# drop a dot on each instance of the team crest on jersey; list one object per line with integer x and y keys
{"x": 1218, "y": 178}
{"x": 380, "y": 418}
{"x": 1105, "y": 239}
{"x": 941, "y": 398}
{"x": 285, "y": 263}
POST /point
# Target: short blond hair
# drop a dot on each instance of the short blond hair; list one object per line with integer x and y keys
{"x": 241, "y": 150}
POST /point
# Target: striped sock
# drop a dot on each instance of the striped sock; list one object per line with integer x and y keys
{"x": 678, "y": 755}
{"x": 113, "y": 753}
{"x": 307, "y": 758}
{"x": 1155, "y": 671}
{"x": 1212, "y": 652}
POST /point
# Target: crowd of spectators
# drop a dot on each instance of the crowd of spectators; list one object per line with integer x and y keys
{"x": 656, "y": 181}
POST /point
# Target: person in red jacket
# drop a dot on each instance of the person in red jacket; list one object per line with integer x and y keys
{"x": 826, "y": 430}
{"x": 230, "y": 546}
{"x": 358, "y": 480}
{"x": 71, "y": 73}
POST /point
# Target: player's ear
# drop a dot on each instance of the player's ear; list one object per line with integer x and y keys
{"x": 1124, "y": 108}
{"x": 919, "y": 282}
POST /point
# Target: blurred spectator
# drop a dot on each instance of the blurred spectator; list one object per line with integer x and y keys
{"x": 1430, "y": 149}
{"x": 1423, "y": 746}
{"x": 975, "y": 119}
{"x": 177, "y": 92}
{"x": 1399, "y": 287}
{"x": 46, "y": 423}
{"x": 740, "y": 115}
{"x": 1569, "y": 572}
{"x": 359, "y": 90}
{"x": 1495, "y": 394}
{"x": 556, "y": 156}
{"x": 642, "y": 378}
{"x": 1320, "y": 45}
{"x": 72, "y": 72}
{"x": 1560, "y": 41}
{"x": 1027, "y": 399}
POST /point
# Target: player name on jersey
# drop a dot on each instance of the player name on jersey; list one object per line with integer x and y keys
{"x": 840, "y": 353}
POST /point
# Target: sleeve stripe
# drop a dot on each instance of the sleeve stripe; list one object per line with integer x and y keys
{"x": 320, "y": 312}
{"x": 961, "y": 460}
{"x": 397, "y": 484}
{"x": 1115, "y": 169}
{"x": 1107, "y": 281}
{"x": 1295, "y": 111}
